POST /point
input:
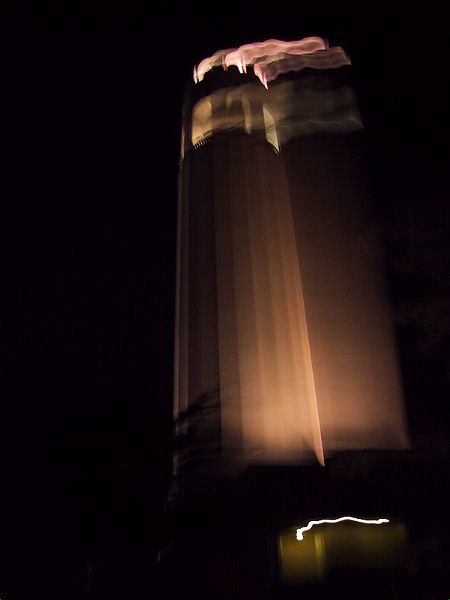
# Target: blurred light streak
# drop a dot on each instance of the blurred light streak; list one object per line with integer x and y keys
{"x": 311, "y": 524}
{"x": 216, "y": 60}
{"x": 289, "y": 109}
{"x": 268, "y": 69}
{"x": 249, "y": 54}
{"x": 274, "y": 57}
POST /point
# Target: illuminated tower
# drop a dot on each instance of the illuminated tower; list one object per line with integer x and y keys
{"x": 284, "y": 349}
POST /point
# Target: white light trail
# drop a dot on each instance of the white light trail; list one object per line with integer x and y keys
{"x": 311, "y": 524}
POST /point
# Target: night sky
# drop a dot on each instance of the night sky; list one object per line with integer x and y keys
{"x": 88, "y": 261}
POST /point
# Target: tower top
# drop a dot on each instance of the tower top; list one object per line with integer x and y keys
{"x": 273, "y": 57}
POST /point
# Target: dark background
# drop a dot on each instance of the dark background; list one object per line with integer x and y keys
{"x": 88, "y": 265}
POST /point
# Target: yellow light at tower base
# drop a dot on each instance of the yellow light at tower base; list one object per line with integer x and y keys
{"x": 343, "y": 543}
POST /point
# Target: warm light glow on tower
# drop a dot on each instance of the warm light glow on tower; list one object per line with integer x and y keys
{"x": 284, "y": 347}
